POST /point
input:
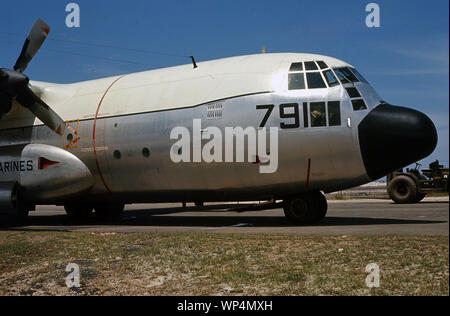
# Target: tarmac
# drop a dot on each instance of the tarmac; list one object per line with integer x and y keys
{"x": 350, "y": 217}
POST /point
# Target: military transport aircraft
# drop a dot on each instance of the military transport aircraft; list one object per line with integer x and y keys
{"x": 105, "y": 143}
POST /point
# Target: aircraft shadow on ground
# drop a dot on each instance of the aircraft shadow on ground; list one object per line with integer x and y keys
{"x": 163, "y": 217}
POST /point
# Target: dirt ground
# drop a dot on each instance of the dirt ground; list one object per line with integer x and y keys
{"x": 34, "y": 263}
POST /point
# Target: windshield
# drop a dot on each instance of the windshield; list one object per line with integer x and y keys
{"x": 345, "y": 75}
{"x": 318, "y": 75}
{"x": 349, "y": 75}
{"x": 357, "y": 74}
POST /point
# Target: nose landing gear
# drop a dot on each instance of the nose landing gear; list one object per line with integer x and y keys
{"x": 307, "y": 208}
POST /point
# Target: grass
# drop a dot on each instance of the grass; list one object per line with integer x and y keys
{"x": 338, "y": 197}
{"x": 33, "y": 263}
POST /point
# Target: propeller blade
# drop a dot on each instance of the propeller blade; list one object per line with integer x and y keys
{"x": 14, "y": 84}
{"x": 28, "y": 99}
{"x": 33, "y": 42}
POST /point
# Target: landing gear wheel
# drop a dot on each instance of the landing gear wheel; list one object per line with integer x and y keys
{"x": 22, "y": 209}
{"x": 321, "y": 206}
{"x": 78, "y": 210}
{"x": 296, "y": 210}
{"x": 309, "y": 208}
{"x": 109, "y": 210}
{"x": 403, "y": 190}
{"x": 22, "y": 213}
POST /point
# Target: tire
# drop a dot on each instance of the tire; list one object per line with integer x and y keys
{"x": 22, "y": 213}
{"x": 296, "y": 210}
{"x": 109, "y": 210}
{"x": 22, "y": 210}
{"x": 78, "y": 210}
{"x": 403, "y": 190}
{"x": 310, "y": 208}
{"x": 321, "y": 206}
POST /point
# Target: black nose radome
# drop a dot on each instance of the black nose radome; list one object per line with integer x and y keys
{"x": 393, "y": 137}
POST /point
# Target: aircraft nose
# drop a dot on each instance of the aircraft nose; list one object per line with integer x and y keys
{"x": 392, "y": 137}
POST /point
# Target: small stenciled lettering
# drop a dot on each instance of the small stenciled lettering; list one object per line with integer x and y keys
{"x": 16, "y": 166}
{"x": 214, "y": 111}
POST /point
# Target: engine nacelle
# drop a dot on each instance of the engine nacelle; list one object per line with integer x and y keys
{"x": 44, "y": 173}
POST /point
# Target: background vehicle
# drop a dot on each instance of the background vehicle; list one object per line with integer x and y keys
{"x": 413, "y": 185}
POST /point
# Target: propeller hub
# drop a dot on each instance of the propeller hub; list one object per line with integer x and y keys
{"x": 12, "y": 82}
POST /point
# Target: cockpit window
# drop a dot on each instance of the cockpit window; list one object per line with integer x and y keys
{"x": 359, "y": 105}
{"x": 315, "y": 80}
{"x": 334, "y": 113}
{"x": 318, "y": 115}
{"x": 310, "y": 65}
{"x": 322, "y": 64}
{"x": 353, "y": 92}
{"x": 331, "y": 79}
{"x": 345, "y": 75}
{"x": 296, "y": 81}
{"x": 296, "y": 67}
{"x": 358, "y": 74}
{"x": 307, "y": 75}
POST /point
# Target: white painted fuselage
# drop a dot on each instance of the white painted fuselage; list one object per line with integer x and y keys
{"x": 120, "y": 129}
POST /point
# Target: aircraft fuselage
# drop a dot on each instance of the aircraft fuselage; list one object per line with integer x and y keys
{"x": 120, "y": 129}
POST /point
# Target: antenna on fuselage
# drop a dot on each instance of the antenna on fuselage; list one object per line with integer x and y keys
{"x": 193, "y": 62}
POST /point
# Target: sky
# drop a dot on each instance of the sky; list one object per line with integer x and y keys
{"x": 406, "y": 59}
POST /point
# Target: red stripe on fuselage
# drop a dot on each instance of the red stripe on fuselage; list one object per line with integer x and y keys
{"x": 309, "y": 173}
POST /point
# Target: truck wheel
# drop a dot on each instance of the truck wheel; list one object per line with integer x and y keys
{"x": 403, "y": 190}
